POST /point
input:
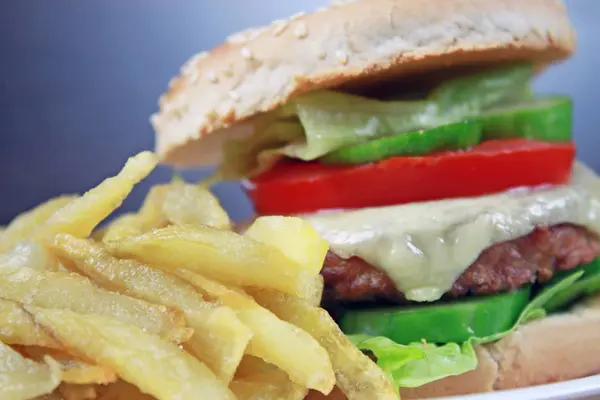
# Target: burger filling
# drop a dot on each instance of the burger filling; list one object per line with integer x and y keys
{"x": 454, "y": 213}
{"x": 535, "y": 258}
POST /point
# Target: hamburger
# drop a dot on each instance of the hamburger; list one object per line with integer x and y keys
{"x": 463, "y": 231}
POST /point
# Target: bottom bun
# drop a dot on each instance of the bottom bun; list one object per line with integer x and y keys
{"x": 557, "y": 348}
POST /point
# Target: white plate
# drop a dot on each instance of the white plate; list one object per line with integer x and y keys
{"x": 585, "y": 388}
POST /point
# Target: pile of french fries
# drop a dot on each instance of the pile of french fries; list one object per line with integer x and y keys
{"x": 168, "y": 303}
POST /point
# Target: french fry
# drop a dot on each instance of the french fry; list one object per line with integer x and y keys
{"x": 187, "y": 204}
{"x": 294, "y": 237}
{"x": 17, "y": 327}
{"x": 251, "y": 365}
{"x": 272, "y": 385}
{"x": 223, "y": 255}
{"x": 219, "y": 339}
{"x": 149, "y": 216}
{"x": 275, "y": 341}
{"x": 24, "y": 379}
{"x": 82, "y": 215}
{"x": 29, "y": 254}
{"x": 122, "y": 226}
{"x": 98, "y": 233}
{"x": 357, "y": 376}
{"x": 76, "y": 372}
{"x": 24, "y": 225}
{"x": 73, "y": 292}
{"x": 79, "y": 373}
{"x": 154, "y": 365}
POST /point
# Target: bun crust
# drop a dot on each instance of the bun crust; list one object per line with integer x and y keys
{"x": 558, "y": 348}
{"x": 261, "y": 69}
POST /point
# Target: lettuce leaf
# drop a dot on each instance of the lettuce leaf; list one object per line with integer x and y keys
{"x": 317, "y": 123}
{"x": 416, "y": 364}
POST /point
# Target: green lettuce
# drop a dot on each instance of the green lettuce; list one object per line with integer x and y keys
{"x": 417, "y": 364}
{"x": 315, "y": 124}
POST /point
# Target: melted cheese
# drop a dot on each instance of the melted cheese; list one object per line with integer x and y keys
{"x": 425, "y": 247}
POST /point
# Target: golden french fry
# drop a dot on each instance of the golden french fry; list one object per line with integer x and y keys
{"x": 81, "y": 216}
{"x": 17, "y": 327}
{"x": 121, "y": 227}
{"x": 357, "y": 376}
{"x": 23, "y": 379}
{"x": 223, "y": 255}
{"x": 187, "y": 204}
{"x": 29, "y": 254}
{"x": 77, "y": 392}
{"x": 74, "y": 292}
{"x": 157, "y": 367}
{"x": 251, "y": 365}
{"x": 80, "y": 373}
{"x": 98, "y": 233}
{"x": 294, "y": 237}
{"x": 74, "y": 371}
{"x": 272, "y": 385}
{"x": 219, "y": 339}
{"x": 275, "y": 341}
{"x": 24, "y": 225}
{"x": 149, "y": 216}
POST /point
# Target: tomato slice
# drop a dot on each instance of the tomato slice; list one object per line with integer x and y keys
{"x": 294, "y": 187}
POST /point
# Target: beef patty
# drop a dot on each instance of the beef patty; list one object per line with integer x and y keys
{"x": 499, "y": 268}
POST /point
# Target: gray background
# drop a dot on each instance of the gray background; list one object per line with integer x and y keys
{"x": 78, "y": 80}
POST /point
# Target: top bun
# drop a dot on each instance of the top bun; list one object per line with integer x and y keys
{"x": 356, "y": 42}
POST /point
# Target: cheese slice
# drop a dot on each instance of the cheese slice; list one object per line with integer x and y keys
{"x": 425, "y": 247}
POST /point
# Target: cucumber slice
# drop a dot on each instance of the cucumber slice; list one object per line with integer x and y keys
{"x": 459, "y": 135}
{"x": 544, "y": 118}
{"x": 445, "y": 323}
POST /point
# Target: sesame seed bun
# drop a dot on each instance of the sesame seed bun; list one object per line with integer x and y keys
{"x": 356, "y": 43}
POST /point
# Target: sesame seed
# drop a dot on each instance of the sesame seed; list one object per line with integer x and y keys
{"x": 211, "y": 115}
{"x": 235, "y": 96}
{"x": 297, "y": 15}
{"x": 301, "y": 30}
{"x": 246, "y": 53}
{"x": 342, "y": 57}
{"x": 212, "y": 77}
{"x": 202, "y": 55}
{"x": 228, "y": 71}
{"x": 321, "y": 9}
{"x": 178, "y": 112}
{"x": 279, "y": 27}
{"x": 322, "y": 55}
